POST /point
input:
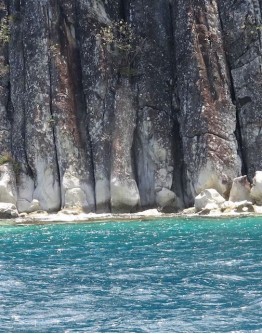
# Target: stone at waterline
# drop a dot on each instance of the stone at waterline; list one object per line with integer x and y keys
{"x": 8, "y": 210}
{"x": 240, "y": 190}
{"x": 256, "y": 190}
{"x": 189, "y": 211}
{"x": 124, "y": 195}
{"x": 241, "y": 206}
{"x": 244, "y": 206}
{"x": 166, "y": 199}
{"x": 208, "y": 199}
{"x": 27, "y": 207}
{"x": 76, "y": 198}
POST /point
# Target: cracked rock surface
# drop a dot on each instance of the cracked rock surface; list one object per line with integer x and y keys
{"x": 128, "y": 105}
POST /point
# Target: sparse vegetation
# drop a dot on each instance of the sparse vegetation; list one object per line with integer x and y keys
{"x": 4, "y": 158}
{"x": 4, "y": 69}
{"x": 7, "y": 158}
{"x": 122, "y": 45}
{"x": 4, "y": 30}
{"x": 54, "y": 50}
{"x": 52, "y": 121}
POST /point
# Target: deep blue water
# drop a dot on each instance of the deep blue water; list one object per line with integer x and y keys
{"x": 159, "y": 276}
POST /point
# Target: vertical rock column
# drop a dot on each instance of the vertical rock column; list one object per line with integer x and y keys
{"x": 242, "y": 23}
{"x": 5, "y": 137}
{"x": 99, "y": 82}
{"x": 124, "y": 192}
{"x": 68, "y": 109}
{"x": 153, "y": 83}
{"x": 7, "y": 175}
{"x": 207, "y": 114}
{"x": 39, "y": 134}
{"x": 25, "y": 182}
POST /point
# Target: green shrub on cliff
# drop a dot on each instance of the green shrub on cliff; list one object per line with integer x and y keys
{"x": 7, "y": 158}
{"x": 121, "y": 45}
{"x": 4, "y": 30}
{"x": 4, "y": 158}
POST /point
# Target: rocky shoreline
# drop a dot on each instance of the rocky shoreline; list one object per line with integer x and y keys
{"x": 244, "y": 199}
{"x": 42, "y": 218}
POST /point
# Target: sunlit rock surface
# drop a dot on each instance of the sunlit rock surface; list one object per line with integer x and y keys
{"x": 94, "y": 125}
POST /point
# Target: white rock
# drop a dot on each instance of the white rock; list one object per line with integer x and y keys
{"x": 207, "y": 197}
{"x": 165, "y": 198}
{"x": 240, "y": 190}
{"x": 8, "y": 210}
{"x": 75, "y": 198}
{"x": 211, "y": 206}
{"x": 70, "y": 211}
{"x": 23, "y": 215}
{"x": 189, "y": 211}
{"x": 76, "y": 194}
{"x": 228, "y": 205}
{"x": 102, "y": 195}
{"x": 124, "y": 195}
{"x": 7, "y": 184}
{"x": 240, "y": 206}
{"x": 25, "y": 206}
{"x": 25, "y": 190}
{"x": 47, "y": 190}
{"x": 258, "y": 209}
{"x": 245, "y": 206}
{"x": 148, "y": 213}
{"x": 256, "y": 190}
{"x": 213, "y": 176}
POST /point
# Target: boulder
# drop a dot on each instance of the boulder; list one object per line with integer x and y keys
{"x": 124, "y": 196}
{"x": 25, "y": 206}
{"x": 228, "y": 206}
{"x": 244, "y": 206}
{"x": 258, "y": 209}
{"x": 8, "y": 210}
{"x": 256, "y": 190}
{"x": 208, "y": 199}
{"x": 7, "y": 184}
{"x": 73, "y": 212}
{"x": 166, "y": 199}
{"x": 75, "y": 198}
{"x": 189, "y": 211}
{"x": 148, "y": 213}
{"x": 38, "y": 213}
{"x": 241, "y": 206}
{"x": 76, "y": 193}
{"x": 240, "y": 190}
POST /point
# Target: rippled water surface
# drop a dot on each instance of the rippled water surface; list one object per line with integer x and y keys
{"x": 157, "y": 276}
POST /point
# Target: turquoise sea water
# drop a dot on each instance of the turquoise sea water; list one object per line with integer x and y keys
{"x": 157, "y": 276}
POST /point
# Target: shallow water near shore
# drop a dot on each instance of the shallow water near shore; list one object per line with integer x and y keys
{"x": 165, "y": 275}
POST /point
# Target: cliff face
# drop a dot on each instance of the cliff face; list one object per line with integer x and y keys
{"x": 106, "y": 119}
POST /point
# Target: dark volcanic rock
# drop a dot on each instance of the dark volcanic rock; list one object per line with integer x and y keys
{"x": 89, "y": 123}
